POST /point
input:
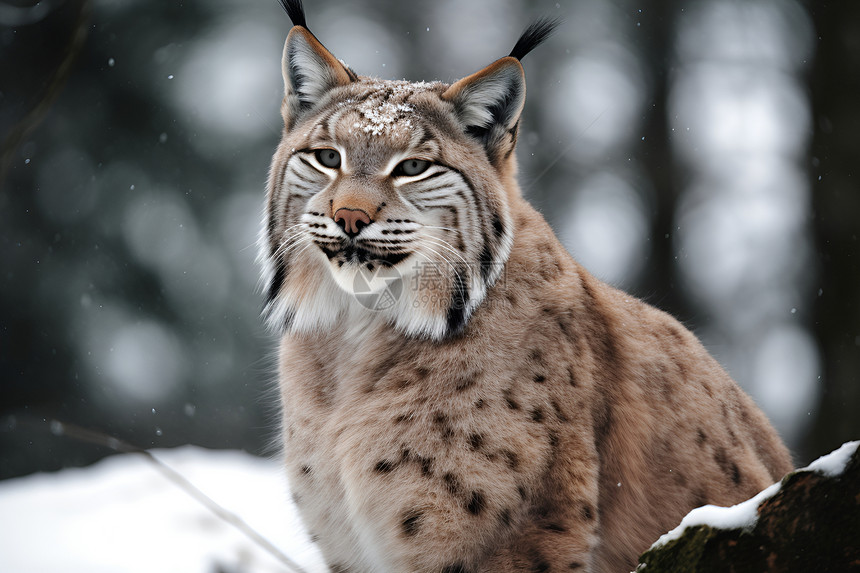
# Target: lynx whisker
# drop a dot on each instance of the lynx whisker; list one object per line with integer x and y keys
{"x": 445, "y": 245}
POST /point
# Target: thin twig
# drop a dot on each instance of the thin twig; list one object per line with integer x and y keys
{"x": 55, "y": 86}
{"x": 564, "y": 151}
{"x": 76, "y": 432}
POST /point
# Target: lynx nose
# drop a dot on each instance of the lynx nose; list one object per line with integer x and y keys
{"x": 352, "y": 221}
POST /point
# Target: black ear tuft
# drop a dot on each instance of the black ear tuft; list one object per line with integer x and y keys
{"x": 534, "y": 35}
{"x": 295, "y": 11}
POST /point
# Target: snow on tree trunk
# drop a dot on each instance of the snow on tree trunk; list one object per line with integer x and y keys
{"x": 808, "y": 522}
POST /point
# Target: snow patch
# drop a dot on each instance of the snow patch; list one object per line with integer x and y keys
{"x": 121, "y": 514}
{"x": 384, "y": 111}
{"x": 741, "y": 516}
{"x": 833, "y": 464}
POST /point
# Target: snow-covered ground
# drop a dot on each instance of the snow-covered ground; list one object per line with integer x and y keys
{"x": 122, "y": 515}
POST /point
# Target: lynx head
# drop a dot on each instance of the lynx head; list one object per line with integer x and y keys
{"x": 389, "y": 200}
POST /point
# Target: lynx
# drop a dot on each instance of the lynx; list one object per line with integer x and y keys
{"x": 481, "y": 403}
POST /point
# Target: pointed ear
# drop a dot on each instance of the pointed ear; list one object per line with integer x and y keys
{"x": 310, "y": 71}
{"x": 488, "y": 104}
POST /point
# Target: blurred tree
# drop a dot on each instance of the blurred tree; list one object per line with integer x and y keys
{"x": 41, "y": 47}
{"x": 659, "y": 286}
{"x": 835, "y": 88}
{"x": 110, "y": 141}
{"x": 130, "y": 159}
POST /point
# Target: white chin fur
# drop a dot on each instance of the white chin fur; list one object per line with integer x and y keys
{"x": 353, "y": 276}
{"x": 332, "y": 302}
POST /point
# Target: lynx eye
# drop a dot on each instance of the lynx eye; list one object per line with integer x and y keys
{"x": 328, "y": 158}
{"x": 411, "y": 167}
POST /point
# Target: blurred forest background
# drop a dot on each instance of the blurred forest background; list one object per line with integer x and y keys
{"x": 700, "y": 154}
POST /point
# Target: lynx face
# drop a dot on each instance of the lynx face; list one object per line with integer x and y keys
{"x": 379, "y": 181}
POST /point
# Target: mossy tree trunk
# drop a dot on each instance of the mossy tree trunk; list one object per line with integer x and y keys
{"x": 811, "y": 524}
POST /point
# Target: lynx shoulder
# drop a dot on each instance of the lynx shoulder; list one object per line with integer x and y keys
{"x": 459, "y": 395}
